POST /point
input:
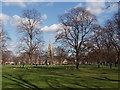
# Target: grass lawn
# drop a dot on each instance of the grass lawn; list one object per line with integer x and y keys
{"x": 60, "y": 76}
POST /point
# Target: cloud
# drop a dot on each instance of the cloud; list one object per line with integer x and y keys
{"x": 16, "y": 20}
{"x": 101, "y": 0}
{"x": 4, "y": 18}
{"x": 98, "y": 8}
{"x": 21, "y": 3}
{"x": 92, "y": 34}
{"x": 50, "y": 4}
{"x": 23, "y": 0}
{"x": 51, "y": 29}
{"x": 95, "y": 7}
{"x": 113, "y": 7}
{"x": 60, "y": 0}
{"x": 44, "y": 16}
{"x": 79, "y": 5}
{"x": 14, "y": 47}
{"x": 95, "y": 0}
{"x": 24, "y": 3}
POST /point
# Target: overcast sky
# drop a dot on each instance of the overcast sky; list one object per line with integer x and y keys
{"x": 12, "y": 11}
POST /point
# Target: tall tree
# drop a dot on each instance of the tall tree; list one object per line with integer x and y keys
{"x": 116, "y": 38}
{"x": 60, "y": 53}
{"x": 3, "y": 43}
{"x": 76, "y": 26}
{"x": 96, "y": 39}
{"x": 111, "y": 37}
{"x": 3, "y": 36}
{"x": 29, "y": 27}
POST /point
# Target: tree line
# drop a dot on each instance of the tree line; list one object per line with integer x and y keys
{"x": 80, "y": 39}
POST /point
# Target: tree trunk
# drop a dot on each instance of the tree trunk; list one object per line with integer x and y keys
{"x": 77, "y": 60}
{"x": 77, "y": 65}
{"x": 115, "y": 64}
{"x": 110, "y": 65}
{"x": 98, "y": 65}
{"x": 118, "y": 55}
{"x": 23, "y": 65}
{"x": 46, "y": 62}
{"x": 118, "y": 58}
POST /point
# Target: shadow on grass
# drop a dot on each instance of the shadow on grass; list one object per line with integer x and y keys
{"x": 83, "y": 86}
{"x": 52, "y": 68}
{"x": 51, "y": 86}
{"x": 48, "y": 67}
{"x": 105, "y": 79}
{"x": 21, "y": 82}
{"x": 56, "y": 85}
{"x": 111, "y": 79}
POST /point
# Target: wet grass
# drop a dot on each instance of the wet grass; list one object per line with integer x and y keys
{"x": 60, "y": 76}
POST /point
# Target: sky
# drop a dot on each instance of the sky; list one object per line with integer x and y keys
{"x": 50, "y": 11}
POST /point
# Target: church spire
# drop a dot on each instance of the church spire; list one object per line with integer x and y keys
{"x": 50, "y": 54}
{"x": 50, "y": 49}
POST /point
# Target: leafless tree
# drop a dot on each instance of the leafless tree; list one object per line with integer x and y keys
{"x": 60, "y": 53}
{"x": 6, "y": 56}
{"x": 116, "y": 31}
{"x": 111, "y": 38}
{"x": 76, "y": 26}
{"x": 96, "y": 39}
{"x": 29, "y": 27}
{"x": 3, "y": 36}
{"x": 3, "y": 43}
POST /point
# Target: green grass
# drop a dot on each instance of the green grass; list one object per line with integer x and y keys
{"x": 88, "y": 76}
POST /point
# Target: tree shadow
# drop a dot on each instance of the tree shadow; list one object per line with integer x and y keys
{"x": 55, "y": 85}
{"x": 83, "y": 86}
{"x": 21, "y": 82}
{"x": 47, "y": 67}
{"x": 111, "y": 79}
{"x": 105, "y": 78}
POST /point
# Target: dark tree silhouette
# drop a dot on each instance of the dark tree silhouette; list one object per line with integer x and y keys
{"x": 29, "y": 27}
{"x": 76, "y": 26}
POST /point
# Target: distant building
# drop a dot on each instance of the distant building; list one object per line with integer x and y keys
{"x": 10, "y": 63}
{"x": 56, "y": 60}
{"x": 50, "y": 60}
{"x": 65, "y": 62}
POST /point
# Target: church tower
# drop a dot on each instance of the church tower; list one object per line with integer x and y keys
{"x": 50, "y": 54}
{"x": 50, "y": 49}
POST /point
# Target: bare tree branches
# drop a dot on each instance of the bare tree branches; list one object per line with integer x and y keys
{"x": 76, "y": 25}
{"x": 30, "y": 29}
